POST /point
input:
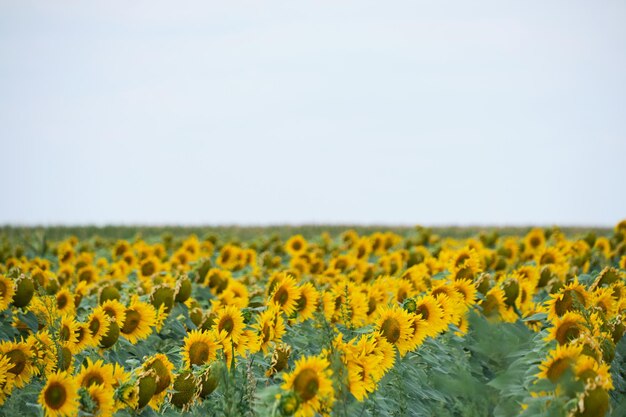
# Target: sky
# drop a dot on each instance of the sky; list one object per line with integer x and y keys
{"x": 440, "y": 112}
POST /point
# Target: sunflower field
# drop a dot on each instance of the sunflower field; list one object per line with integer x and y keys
{"x": 350, "y": 323}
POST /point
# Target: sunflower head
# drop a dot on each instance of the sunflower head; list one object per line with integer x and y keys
{"x": 140, "y": 317}
{"x": 163, "y": 370}
{"x": 200, "y": 347}
{"x": 185, "y": 390}
{"x": 310, "y": 381}
{"x": 59, "y": 397}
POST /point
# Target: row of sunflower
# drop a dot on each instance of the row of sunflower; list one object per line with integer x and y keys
{"x": 102, "y": 327}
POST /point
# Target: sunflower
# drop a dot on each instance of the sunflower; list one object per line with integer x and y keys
{"x": 229, "y": 324}
{"x": 65, "y": 302}
{"x": 588, "y": 370}
{"x": 83, "y": 338}
{"x": 572, "y": 297}
{"x": 186, "y": 388}
{"x": 432, "y": 314}
{"x": 200, "y": 347}
{"x": 270, "y": 327}
{"x": 99, "y": 324}
{"x": 285, "y": 294}
{"x": 394, "y": 324}
{"x": 566, "y": 328}
{"x": 296, "y": 245}
{"x": 59, "y": 397}
{"x": 163, "y": 372}
{"x": 96, "y": 373}
{"x": 307, "y": 302}
{"x": 466, "y": 289}
{"x": 101, "y": 404}
{"x": 6, "y": 378}
{"x": 7, "y": 291}
{"x": 493, "y": 305}
{"x": 534, "y": 240}
{"x": 67, "y": 332}
{"x": 602, "y": 299}
{"x": 140, "y": 317}
{"x": 559, "y": 360}
{"x": 280, "y": 359}
{"x": 114, "y": 309}
{"x": 311, "y": 381}
{"x": 149, "y": 267}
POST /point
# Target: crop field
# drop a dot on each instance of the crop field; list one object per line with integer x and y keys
{"x": 302, "y": 322}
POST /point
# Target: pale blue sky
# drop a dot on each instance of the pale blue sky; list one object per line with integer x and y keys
{"x": 431, "y": 112}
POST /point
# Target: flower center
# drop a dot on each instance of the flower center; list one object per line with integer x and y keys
{"x": 18, "y": 359}
{"x": 55, "y": 396}
{"x": 306, "y": 384}
{"x": 391, "y": 330}
{"x": 132, "y": 321}
{"x": 198, "y": 353}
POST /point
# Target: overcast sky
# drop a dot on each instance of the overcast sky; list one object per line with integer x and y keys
{"x": 431, "y": 112}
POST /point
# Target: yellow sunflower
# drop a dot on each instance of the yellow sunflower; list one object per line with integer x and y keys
{"x": 140, "y": 317}
{"x": 572, "y": 297}
{"x": 200, "y": 347}
{"x": 102, "y": 403}
{"x": 566, "y": 328}
{"x": 559, "y": 360}
{"x": 21, "y": 356}
{"x": 432, "y": 314}
{"x": 588, "y": 370}
{"x": 285, "y": 294}
{"x": 65, "y": 302}
{"x": 96, "y": 373}
{"x": 59, "y": 397}
{"x": 99, "y": 324}
{"x": 7, "y": 291}
{"x": 115, "y": 310}
{"x": 296, "y": 245}
{"x": 311, "y": 381}
{"x": 394, "y": 324}
{"x": 307, "y": 302}
{"x": 270, "y": 327}
{"x": 229, "y": 324}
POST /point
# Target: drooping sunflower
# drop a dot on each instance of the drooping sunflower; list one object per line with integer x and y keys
{"x": 394, "y": 324}
{"x": 163, "y": 371}
{"x": 200, "y": 347}
{"x": 229, "y": 324}
{"x": 558, "y": 361}
{"x": 285, "y": 294}
{"x": 59, "y": 397}
{"x": 7, "y": 291}
{"x": 311, "y": 381}
{"x": 140, "y": 317}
